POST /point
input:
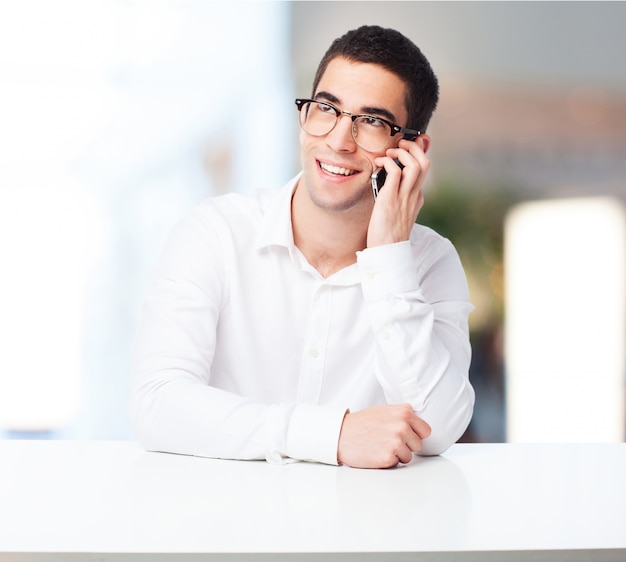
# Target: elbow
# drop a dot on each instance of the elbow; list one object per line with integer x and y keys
{"x": 437, "y": 444}
{"x": 449, "y": 426}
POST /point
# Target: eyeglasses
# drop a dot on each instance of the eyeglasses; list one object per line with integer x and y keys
{"x": 372, "y": 134}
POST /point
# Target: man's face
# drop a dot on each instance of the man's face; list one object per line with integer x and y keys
{"x": 336, "y": 170}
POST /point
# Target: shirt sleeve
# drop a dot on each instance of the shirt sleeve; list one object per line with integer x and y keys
{"x": 418, "y": 305}
{"x": 173, "y": 406}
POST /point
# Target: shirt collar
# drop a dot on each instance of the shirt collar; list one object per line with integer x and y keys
{"x": 276, "y": 229}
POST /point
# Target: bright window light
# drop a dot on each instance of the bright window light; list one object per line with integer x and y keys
{"x": 50, "y": 232}
{"x": 565, "y": 316}
{"x": 116, "y": 117}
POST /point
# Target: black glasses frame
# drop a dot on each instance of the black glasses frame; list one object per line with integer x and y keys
{"x": 409, "y": 134}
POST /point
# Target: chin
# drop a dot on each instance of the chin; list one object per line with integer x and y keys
{"x": 333, "y": 199}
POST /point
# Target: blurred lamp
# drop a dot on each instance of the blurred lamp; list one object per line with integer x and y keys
{"x": 565, "y": 321}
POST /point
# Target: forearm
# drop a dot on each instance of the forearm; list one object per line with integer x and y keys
{"x": 422, "y": 343}
{"x": 170, "y": 413}
{"x": 416, "y": 364}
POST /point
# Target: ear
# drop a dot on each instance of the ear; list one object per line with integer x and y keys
{"x": 424, "y": 142}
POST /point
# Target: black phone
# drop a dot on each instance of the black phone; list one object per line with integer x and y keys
{"x": 379, "y": 176}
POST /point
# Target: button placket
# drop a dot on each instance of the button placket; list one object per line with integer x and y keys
{"x": 312, "y": 369}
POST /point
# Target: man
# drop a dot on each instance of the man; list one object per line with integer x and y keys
{"x": 314, "y": 322}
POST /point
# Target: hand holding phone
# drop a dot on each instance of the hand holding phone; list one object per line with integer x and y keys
{"x": 393, "y": 217}
{"x": 379, "y": 176}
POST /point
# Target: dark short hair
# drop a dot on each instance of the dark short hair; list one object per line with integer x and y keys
{"x": 398, "y": 54}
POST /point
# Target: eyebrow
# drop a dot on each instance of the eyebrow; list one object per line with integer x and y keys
{"x": 379, "y": 111}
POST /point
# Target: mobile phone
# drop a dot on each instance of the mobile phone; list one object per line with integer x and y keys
{"x": 379, "y": 176}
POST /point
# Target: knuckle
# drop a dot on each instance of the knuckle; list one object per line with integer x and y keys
{"x": 388, "y": 460}
{"x": 406, "y": 412}
{"x": 400, "y": 432}
{"x": 407, "y": 458}
{"x": 392, "y": 456}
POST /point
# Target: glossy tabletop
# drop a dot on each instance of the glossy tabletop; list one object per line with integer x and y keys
{"x": 103, "y": 500}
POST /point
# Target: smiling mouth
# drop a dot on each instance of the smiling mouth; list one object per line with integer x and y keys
{"x": 337, "y": 170}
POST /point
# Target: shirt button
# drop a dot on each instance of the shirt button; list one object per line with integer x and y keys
{"x": 370, "y": 274}
{"x": 314, "y": 353}
{"x": 386, "y": 336}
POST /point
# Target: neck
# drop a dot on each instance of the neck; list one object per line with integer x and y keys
{"x": 328, "y": 239}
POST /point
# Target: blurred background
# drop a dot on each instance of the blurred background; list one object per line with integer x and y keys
{"x": 117, "y": 116}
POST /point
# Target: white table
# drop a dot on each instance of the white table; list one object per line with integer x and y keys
{"x": 111, "y": 501}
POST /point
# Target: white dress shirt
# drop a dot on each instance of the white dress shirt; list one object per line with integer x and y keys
{"x": 245, "y": 351}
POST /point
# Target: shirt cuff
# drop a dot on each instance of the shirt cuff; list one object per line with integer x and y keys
{"x": 387, "y": 270}
{"x": 313, "y": 433}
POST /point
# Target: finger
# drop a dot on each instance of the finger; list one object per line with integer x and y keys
{"x": 394, "y": 172}
{"x": 417, "y": 147}
{"x": 416, "y": 150}
{"x": 415, "y": 164}
{"x": 405, "y": 454}
{"x": 392, "y": 167}
{"x": 420, "y": 427}
{"x": 403, "y": 156}
{"x": 414, "y": 443}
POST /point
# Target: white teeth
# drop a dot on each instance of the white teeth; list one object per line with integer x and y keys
{"x": 336, "y": 170}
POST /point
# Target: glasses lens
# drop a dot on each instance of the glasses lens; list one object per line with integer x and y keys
{"x": 371, "y": 134}
{"x": 317, "y": 119}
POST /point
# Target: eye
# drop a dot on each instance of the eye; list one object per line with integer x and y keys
{"x": 373, "y": 122}
{"x": 326, "y": 108}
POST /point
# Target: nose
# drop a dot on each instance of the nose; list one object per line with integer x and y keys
{"x": 340, "y": 139}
